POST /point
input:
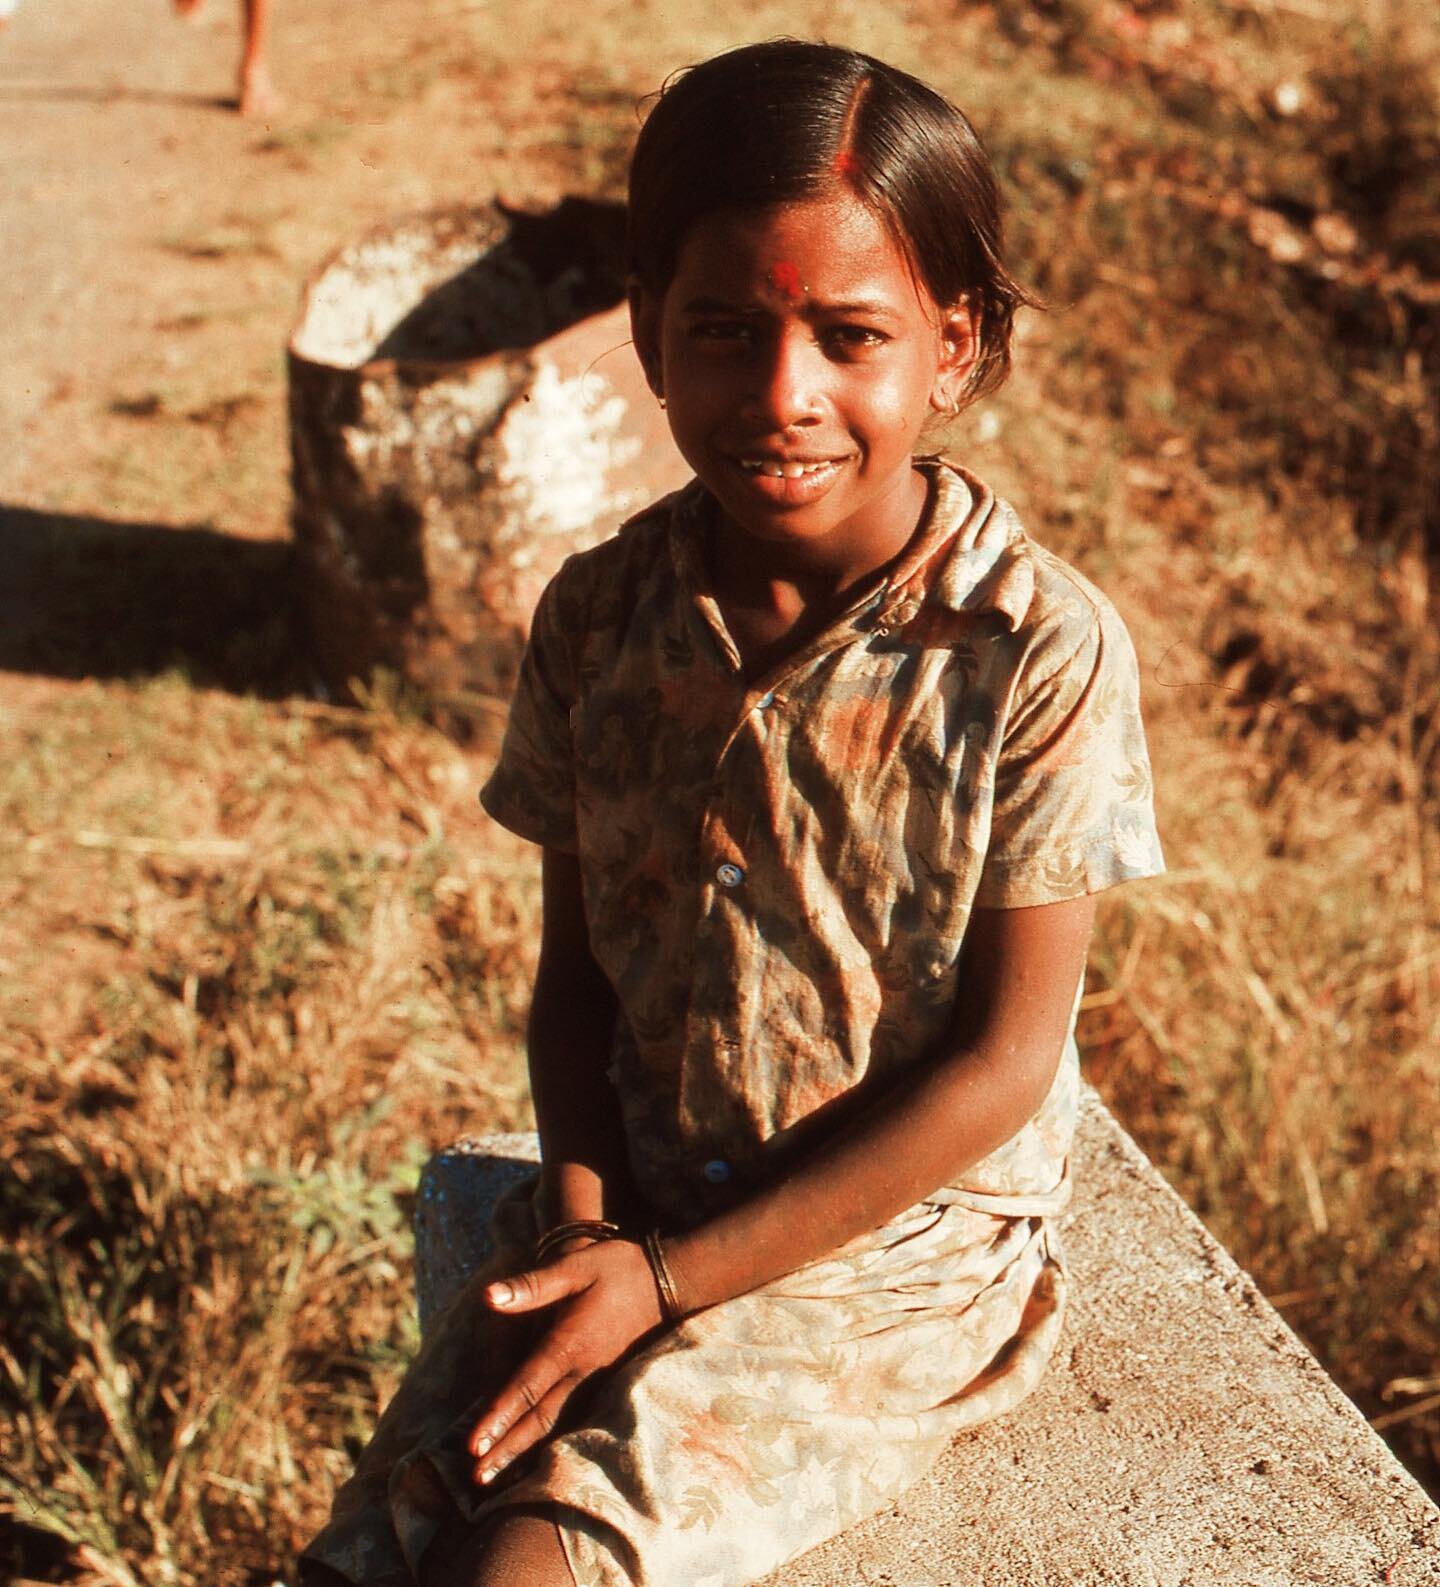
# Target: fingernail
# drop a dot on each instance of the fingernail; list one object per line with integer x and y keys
{"x": 482, "y": 1446}
{"x": 501, "y": 1294}
{"x": 485, "y": 1475}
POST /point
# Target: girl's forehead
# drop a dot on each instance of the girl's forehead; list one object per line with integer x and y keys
{"x": 829, "y": 247}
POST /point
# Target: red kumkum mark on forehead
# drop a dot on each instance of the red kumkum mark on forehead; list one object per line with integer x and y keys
{"x": 785, "y": 278}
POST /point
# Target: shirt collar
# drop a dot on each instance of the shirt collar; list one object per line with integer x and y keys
{"x": 970, "y": 556}
{"x": 689, "y": 508}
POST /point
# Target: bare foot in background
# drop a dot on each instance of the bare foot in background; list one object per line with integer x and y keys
{"x": 257, "y": 95}
{"x": 257, "y": 92}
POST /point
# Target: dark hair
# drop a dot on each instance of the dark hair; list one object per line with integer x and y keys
{"x": 786, "y": 120}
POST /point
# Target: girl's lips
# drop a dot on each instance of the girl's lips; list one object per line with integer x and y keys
{"x": 784, "y": 490}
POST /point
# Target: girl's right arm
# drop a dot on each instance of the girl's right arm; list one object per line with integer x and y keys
{"x": 1020, "y": 968}
{"x": 584, "y": 1174}
{"x": 602, "y": 1294}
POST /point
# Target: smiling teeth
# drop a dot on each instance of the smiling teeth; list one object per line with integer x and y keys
{"x": 782, "y": 470}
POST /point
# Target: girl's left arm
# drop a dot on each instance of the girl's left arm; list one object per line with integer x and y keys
{"x": 1019, "y": 972}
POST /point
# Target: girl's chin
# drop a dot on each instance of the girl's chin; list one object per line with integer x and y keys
{"x": 843, "y": 492}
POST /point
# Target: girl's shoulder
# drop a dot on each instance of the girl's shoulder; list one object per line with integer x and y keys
{"x": 1066, "y": 602}
{"x": 1072, "y": 637}
{"x": 613, "y": 575}
{"x": 997, "y": 566}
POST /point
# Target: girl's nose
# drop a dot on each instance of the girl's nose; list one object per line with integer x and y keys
{"x": 788, "y": 382}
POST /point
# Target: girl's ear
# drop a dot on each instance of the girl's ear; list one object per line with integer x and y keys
{"x": 959, "y": 350}
{"x": 645, "y": 332}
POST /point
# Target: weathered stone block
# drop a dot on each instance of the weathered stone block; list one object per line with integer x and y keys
{"x": 1183, "y": 1436}
{"x": 466, "y": 410}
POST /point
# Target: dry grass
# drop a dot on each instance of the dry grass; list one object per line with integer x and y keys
{"x": 212, "y": 1143}
{"x": 1262, "y": 502}
{"x": 257, "y": 956}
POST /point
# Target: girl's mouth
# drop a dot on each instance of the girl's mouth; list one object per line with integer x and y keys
{"x": 788, "y": 482}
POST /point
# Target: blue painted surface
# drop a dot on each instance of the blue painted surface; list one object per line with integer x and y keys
{"x": 458, "y": 1191}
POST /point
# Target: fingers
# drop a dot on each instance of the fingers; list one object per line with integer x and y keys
{"x": 495, "y": 1449}
{"x": 524, "y": 1411}
{"x": 609, "y": 1302}
{"x": 523, "y": 1396}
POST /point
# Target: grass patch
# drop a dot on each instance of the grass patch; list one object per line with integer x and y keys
{"x": 215, "y": 1135}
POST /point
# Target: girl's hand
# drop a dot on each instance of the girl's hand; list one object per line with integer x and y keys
{"x": 607, "y": 1300}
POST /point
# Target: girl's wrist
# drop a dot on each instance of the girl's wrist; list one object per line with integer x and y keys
{"x": 687, "y": 1284}
{"x": 560, "y": 1238}
{"x": 672, "y": 1303}
{"x": 568, "y": 1192}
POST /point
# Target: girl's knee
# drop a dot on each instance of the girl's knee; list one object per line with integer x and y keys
{"x": 518, "y": 1551}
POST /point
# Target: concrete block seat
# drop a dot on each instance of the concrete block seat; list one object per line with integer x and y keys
{"x": 1184, "y": 1437}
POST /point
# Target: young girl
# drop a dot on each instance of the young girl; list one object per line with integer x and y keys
{"x": 827, "y": 760}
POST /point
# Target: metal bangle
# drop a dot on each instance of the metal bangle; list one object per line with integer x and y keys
{"x": 592, "y": 1229}
{"x": 670, "y": 1308}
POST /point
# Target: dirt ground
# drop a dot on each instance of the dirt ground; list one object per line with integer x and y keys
{"x": 156, "y": 242}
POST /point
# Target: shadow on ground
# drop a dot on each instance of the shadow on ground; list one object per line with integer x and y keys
{"x": 109, "y": 94}
{"x": 87, "y": 598}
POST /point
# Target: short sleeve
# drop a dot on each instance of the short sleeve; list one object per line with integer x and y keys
{"x": 532, "y": 788}
{"x": 1073, "y": 808}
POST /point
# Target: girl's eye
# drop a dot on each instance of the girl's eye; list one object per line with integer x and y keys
{"x": 851, "y": 339}
{"x": 838, "y": 341}
{"x": 722, "y": 331}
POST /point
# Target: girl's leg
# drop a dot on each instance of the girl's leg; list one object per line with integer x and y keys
{"x": 522, "y": 1550}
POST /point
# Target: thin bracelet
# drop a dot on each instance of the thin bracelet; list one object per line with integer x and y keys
{"x": 575, "y": 1229}
{"x": 670, "y": 1308}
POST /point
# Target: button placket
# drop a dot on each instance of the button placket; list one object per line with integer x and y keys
{"x": 730, "y": 874}
{"x": 894, "y": 617}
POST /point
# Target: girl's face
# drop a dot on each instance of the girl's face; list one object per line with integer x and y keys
{"x": 799, "y": 358}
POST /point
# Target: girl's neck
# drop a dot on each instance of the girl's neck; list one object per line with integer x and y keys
{"x": 823, "y": 573}
{"x": 776, "y": 598}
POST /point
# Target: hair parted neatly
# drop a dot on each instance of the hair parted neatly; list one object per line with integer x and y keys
{"x": 787, "y": 120}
